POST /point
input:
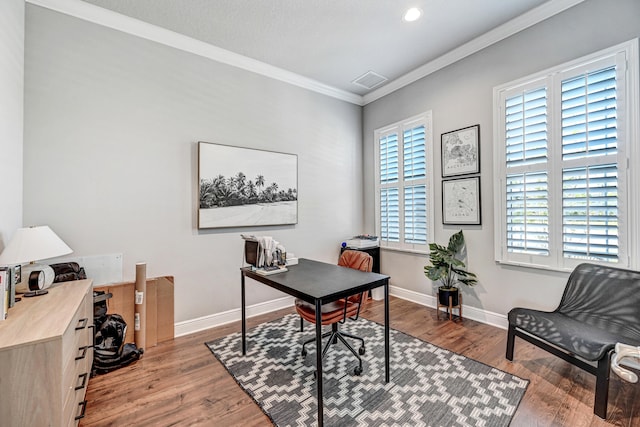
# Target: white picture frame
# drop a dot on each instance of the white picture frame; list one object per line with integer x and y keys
{"x": 245, "y": 187}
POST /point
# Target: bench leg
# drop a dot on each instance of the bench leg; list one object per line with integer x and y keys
{"x": 511, "y": 337}
{"x": 602, "y": 385}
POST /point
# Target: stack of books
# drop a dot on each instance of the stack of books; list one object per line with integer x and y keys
{"x": 363, "y": 241}
{"x": 291, "y": 259}
{"x": 267, "y": 271}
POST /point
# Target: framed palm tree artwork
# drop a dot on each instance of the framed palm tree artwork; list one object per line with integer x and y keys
{"x": 241, "y": 187}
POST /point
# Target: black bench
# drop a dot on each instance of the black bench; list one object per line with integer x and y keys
{"x": 600, "y": 307}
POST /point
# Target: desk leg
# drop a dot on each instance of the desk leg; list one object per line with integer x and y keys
{"x": 386, "y": 331}
{"x": 319, "y": 361}
{"x": 244, "y": 317}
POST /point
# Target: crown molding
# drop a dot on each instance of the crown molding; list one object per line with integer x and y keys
{"x": 526, "y": 20}
{"x": 110, "y": 19}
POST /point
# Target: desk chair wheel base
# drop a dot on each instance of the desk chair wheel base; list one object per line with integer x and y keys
{"x": 357, "y": 371}
{"x": 304, "y": 352}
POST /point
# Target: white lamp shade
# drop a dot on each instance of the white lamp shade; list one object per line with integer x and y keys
{"x": 31, "y": 244}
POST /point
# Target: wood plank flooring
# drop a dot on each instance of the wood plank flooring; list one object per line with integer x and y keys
{"x": 180, "y": 383}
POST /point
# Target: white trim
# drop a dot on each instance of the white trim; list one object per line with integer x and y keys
{"x": 425, "y": 119}
{"x": 625, "y": 57}
{"x": 110, "y": 19}
{"x": 469, "y": 312}
{"x": 218, "y": 319}
{"x": 633, "y": 174}
{"x": 508, "y": 29}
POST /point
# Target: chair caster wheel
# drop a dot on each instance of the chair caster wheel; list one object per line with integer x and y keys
{"x": 315, "y": 375}
{"x": 361, "y": 351}
{"x": 357, "y": 370}
{"x": 304, "y": 353}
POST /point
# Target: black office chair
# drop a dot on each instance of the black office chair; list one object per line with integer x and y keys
{"x": 338, "y": 312}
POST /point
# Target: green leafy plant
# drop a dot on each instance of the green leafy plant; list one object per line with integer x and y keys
{"x": 447, "y": 266}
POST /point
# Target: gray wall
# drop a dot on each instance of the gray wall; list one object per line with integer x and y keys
{"x": 112, "y": 121}
{"x": 110, "y": 155}
{"x": 461, "y": 95}
{"x": 11, "y": 116}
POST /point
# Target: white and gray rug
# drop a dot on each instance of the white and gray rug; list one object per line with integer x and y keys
{"x": 429, "y": 386}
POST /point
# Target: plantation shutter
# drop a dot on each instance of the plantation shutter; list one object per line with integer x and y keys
{"x": 527, "y": 196}
{"x": 389, "y": 159}
{"x": 389, "y": 196}
{"x": 528, "y": 213}
{"x": 566, "y": 163}
{"x": 590, "y": 190}
{"x": 403, "y": 216}
{"x": 415, "y": 196}
{"x": 415, "y": 214}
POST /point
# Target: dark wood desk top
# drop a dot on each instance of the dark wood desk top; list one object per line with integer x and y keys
{"x": 312, "y": 280}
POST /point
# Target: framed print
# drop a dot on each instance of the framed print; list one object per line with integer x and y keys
{"x": 461, "y": 201}
{"x": 243, "y": 187}
{"x": 461, "y": 151}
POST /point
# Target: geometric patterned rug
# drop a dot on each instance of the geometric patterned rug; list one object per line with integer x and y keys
{"x": 429, "y": 386}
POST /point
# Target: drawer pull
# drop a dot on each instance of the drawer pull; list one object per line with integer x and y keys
{"x": 82, "y": 323}
{"x": 93, "y": 334}
{"x": 84, "y": 381}
{"x": 84, "y": 352}
{"x": 83, "y": 404}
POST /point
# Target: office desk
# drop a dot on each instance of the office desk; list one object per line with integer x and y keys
{"x": 319, "y": 283}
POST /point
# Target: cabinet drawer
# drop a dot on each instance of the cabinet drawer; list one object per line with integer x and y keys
{"x": 74, "y": 407}
{"x": 77, "y": 357}
{"x": 73, "y": 370}
{"x": 78, "y": 360}
{"x": 76, "y": 334}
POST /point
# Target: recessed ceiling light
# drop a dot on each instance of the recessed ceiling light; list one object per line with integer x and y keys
{"x": 412, "y": 14}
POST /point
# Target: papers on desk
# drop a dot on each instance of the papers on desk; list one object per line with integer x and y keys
{"x": 363, "y": 242}
{"x": 267, "y": 271}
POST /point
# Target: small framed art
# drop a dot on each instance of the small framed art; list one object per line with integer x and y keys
{"x": 461, "y": 201}
{"x": 461, "y": 151}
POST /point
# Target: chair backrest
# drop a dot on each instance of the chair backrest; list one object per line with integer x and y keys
{"x": 357, "y": 260}
{"x": 604, "y": 297}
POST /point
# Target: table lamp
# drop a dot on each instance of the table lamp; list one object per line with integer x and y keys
{"x": 31, "y": 244}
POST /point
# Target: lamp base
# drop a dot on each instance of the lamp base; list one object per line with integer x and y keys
{"x": 35, "y": 293}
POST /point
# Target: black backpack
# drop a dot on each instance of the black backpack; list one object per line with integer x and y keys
{"x": 110, "y": 351}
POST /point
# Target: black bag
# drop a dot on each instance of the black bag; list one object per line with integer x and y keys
{"x": 66, "y": 271}
{"x": 110, "y": 351}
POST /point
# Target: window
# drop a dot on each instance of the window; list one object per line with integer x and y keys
{"x": 404, "y": 199}
{"x": 564, "y": 140}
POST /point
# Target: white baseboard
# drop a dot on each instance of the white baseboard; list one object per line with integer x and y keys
{"x": 219, "y": 319}
{"x": 473, "y": 313}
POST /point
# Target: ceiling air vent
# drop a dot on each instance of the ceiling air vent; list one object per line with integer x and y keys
{"x": 370, "y": 80}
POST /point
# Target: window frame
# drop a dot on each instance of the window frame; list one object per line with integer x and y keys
{"x": 625, "y": 56}
{"x": 399, "y": 128}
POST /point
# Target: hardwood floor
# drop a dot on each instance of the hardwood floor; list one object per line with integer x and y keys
{"x": 181, "y": 383}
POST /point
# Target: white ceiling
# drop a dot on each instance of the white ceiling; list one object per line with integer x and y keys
{"x": 336, "y": 41}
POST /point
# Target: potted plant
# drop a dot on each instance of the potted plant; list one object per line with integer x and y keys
{"x": 449, "y": 269}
